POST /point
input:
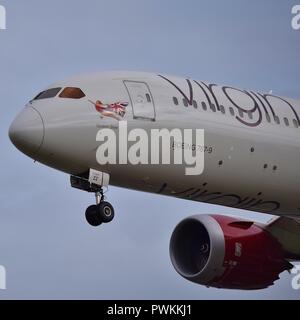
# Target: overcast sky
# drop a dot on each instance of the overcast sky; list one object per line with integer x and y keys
{"x": 48, "y": 249}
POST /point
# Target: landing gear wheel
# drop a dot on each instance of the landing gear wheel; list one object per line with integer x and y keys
{"x": 102, "y": 212}
{"x": 93, "y": 217}
{"x": 106, "y": 212}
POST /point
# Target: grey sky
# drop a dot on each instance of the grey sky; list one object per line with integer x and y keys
{"x": 45, "y": 244}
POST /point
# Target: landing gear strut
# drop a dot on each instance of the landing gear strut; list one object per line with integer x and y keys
{"x": 102, "y": 212}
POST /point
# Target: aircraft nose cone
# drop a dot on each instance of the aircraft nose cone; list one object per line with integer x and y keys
{"x": 27, "y": 131}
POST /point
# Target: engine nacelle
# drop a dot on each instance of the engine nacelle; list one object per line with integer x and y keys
{"x": 223, "y": 252}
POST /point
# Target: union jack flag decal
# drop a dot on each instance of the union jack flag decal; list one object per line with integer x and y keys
{"x": 119, "y": 108}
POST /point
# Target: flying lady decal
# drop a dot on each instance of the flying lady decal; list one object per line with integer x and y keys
{"x": 115, "y": 110}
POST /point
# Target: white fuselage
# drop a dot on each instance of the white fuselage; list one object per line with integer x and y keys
{"x": 252, "y": 141}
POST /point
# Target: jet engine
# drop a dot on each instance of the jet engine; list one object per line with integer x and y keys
{"x": 223, "y": 252}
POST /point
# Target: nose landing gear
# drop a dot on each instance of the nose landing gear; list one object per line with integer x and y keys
{"x": 93, "y": 182}
{"x": 102, "y": 212}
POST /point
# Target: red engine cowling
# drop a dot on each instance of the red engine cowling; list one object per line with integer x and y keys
{"x": 223, "y": 252}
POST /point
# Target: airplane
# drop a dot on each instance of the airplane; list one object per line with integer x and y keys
{"x": 251, "y": 161}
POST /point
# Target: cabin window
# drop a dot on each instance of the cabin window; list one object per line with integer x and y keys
{"x": 213, "y": 107}
{"x": 204, "y": 106}
{"x": 286, "y": 121}
{"x": 195, "y": 104}
{"x": 50, "y": 93}
{"x": 231, "y": 110}
{"x": 222, "y": 109}
{"x": 296, "y": 124}
{"x": 175, "y": 100}
{"x": 268, "y": 117}
{"x": 277, "y": 120}
{"x": 241, "y": 113}
{"x": 72, "y": 93}
{"x": 250, "y": 115}
{"x": 185, "y": 103}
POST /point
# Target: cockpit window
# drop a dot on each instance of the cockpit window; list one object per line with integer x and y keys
{"x": 50, "y": 93}
{"x": 72, "y": 93}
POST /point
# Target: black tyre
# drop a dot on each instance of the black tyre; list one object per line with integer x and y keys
{"x": 93, "y": 217}
{"x": 106, "y": 212}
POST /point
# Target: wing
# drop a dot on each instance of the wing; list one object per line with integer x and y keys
{"x": 287, "y": 231}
